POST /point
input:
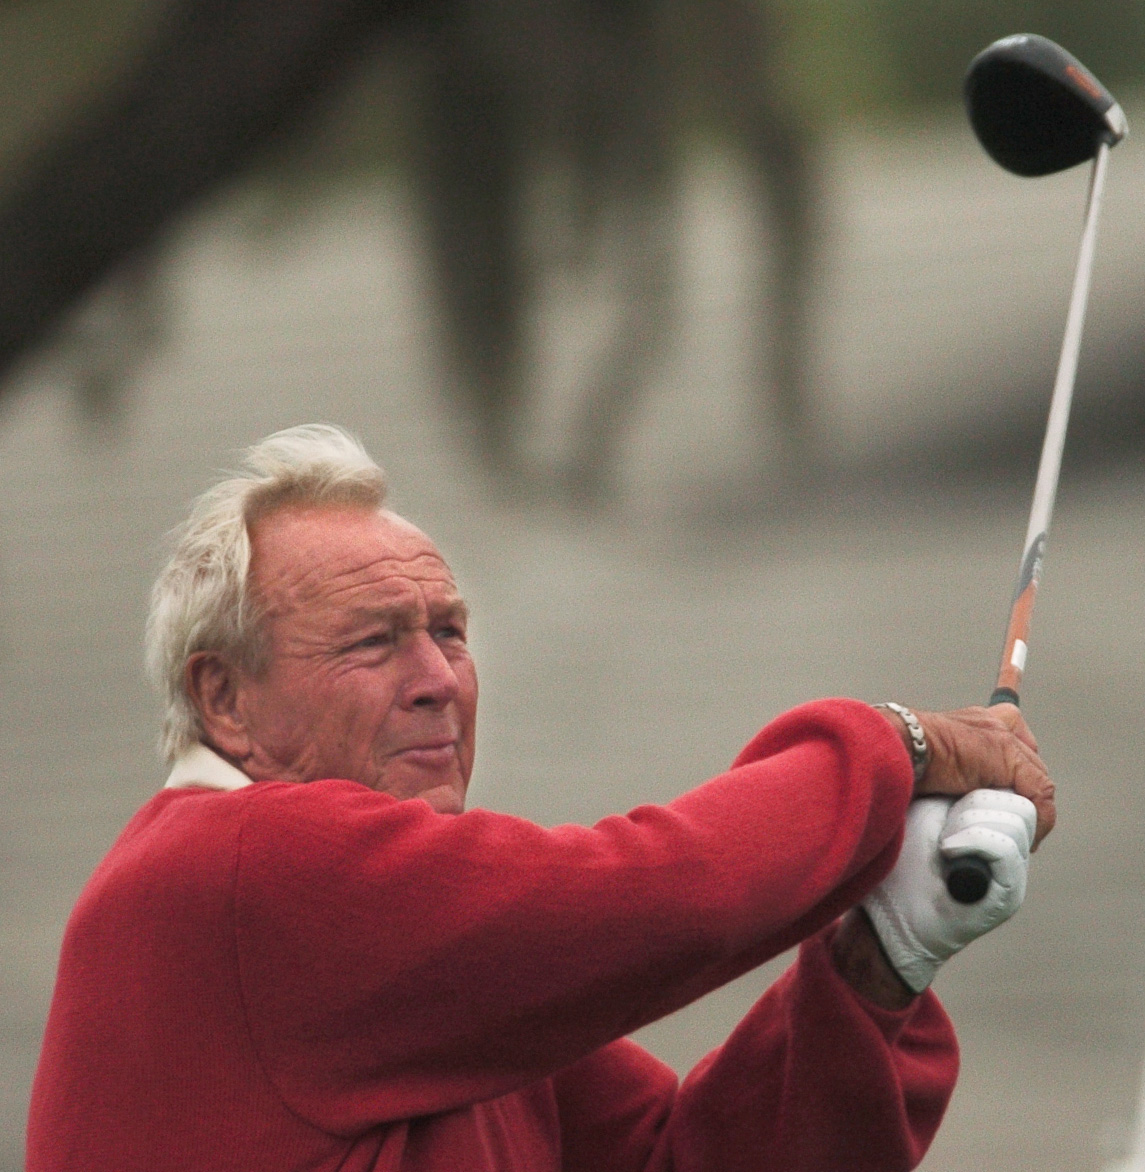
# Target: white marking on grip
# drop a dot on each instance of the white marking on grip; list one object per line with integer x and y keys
{"x": 1018, "y": 655}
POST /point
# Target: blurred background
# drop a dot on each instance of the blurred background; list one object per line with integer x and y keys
{"x": 701, "y": 335}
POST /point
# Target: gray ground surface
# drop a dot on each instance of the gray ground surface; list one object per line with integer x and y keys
{"x": 626, "y": 656}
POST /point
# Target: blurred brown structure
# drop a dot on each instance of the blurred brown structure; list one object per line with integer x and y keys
{"x": 599, "y": 92}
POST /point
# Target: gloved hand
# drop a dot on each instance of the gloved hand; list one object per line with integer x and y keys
{"x": 919, "y": 924}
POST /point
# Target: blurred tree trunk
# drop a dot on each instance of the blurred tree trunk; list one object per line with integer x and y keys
{"x": 223, "y": 78}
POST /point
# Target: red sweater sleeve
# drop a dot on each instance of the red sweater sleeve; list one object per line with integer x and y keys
{"x": 814, "y": 1079}
{"x": 395, "y": 962}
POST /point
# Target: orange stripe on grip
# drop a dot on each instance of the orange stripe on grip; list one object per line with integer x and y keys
{"x": 1021, "y": 614}
{"x": 1013, "y": 666}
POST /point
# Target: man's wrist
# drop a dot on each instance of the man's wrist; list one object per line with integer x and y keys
{"x": 859, "y": 959}
{"x": 913, "y": 736}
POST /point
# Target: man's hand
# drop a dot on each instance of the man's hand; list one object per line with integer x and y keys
{"x": 890, "y": 949}
{"x": 918, "y": 922}
{"x": 983, "y": 748}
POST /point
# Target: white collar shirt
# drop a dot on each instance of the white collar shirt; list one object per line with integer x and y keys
{"x": 202, "y": 767}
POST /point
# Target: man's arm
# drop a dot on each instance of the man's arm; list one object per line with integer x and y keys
{"x": 815, "y": 1079}
{"x": 397, "y": 962}
{"x": 619, "y": 1108}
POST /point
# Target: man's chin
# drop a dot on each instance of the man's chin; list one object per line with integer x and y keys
{"x": 444, "y": 790}
{"x": 445, "y": 799}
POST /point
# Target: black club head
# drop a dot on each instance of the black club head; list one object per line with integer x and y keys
{"x": 1036, "y": 109}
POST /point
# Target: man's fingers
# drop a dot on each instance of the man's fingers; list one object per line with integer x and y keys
{"x": 1029, "y": 777}
{"x": 1011, "y": 716}
{"x": 999, "y": 810}
{"x": 1043, "y": 800}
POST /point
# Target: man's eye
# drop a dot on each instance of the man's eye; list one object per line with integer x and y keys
{"x": 378, "y": 639}
{"x": 450, "y": 631}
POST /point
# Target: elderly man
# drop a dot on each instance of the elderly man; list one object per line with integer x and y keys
{"x": 304, "y": 954}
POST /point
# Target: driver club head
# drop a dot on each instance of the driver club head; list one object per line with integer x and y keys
{"x": 1036, "y": 109}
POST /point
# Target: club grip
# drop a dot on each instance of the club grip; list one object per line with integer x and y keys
{"x": 968, "y": 878}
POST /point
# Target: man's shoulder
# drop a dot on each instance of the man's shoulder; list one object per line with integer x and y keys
{"x": 176, "y": 833}
{"x": 190, "y": 839}
{"x": 199, "y": 819}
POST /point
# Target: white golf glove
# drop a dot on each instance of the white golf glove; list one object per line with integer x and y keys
{"x": 916, "y": 919}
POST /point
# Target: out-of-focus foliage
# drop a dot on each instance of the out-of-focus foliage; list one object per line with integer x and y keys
{"x": 932, "y": 42}
{"x": 882, "y": 59}
{"x": 841, "y": 59}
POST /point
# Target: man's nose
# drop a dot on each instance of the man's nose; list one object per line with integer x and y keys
{"x": 431, "y": 681}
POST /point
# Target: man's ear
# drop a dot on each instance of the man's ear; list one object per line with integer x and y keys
{"x": 212, "y": 683}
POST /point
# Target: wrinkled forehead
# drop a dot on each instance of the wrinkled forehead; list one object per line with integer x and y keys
{"x": 304, "y": 556}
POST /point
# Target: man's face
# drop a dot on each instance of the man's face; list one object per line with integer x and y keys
{"x": 369, "y": 676}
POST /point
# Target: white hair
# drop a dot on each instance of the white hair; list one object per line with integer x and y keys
{"x": 201, "y": 600}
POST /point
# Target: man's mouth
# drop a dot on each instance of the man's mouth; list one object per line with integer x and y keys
{"x": 431, "y": 754}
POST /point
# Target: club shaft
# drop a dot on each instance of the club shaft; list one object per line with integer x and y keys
{"x": 968, "y": 878}
{"x": 1049, "y": 467}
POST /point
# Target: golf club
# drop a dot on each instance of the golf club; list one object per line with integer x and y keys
{"x": 1036, "y": 109}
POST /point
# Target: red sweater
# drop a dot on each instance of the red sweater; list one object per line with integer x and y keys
{"x": 320, "y": 977}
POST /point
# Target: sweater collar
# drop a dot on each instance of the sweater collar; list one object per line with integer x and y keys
{"x": 203, "y": 767}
